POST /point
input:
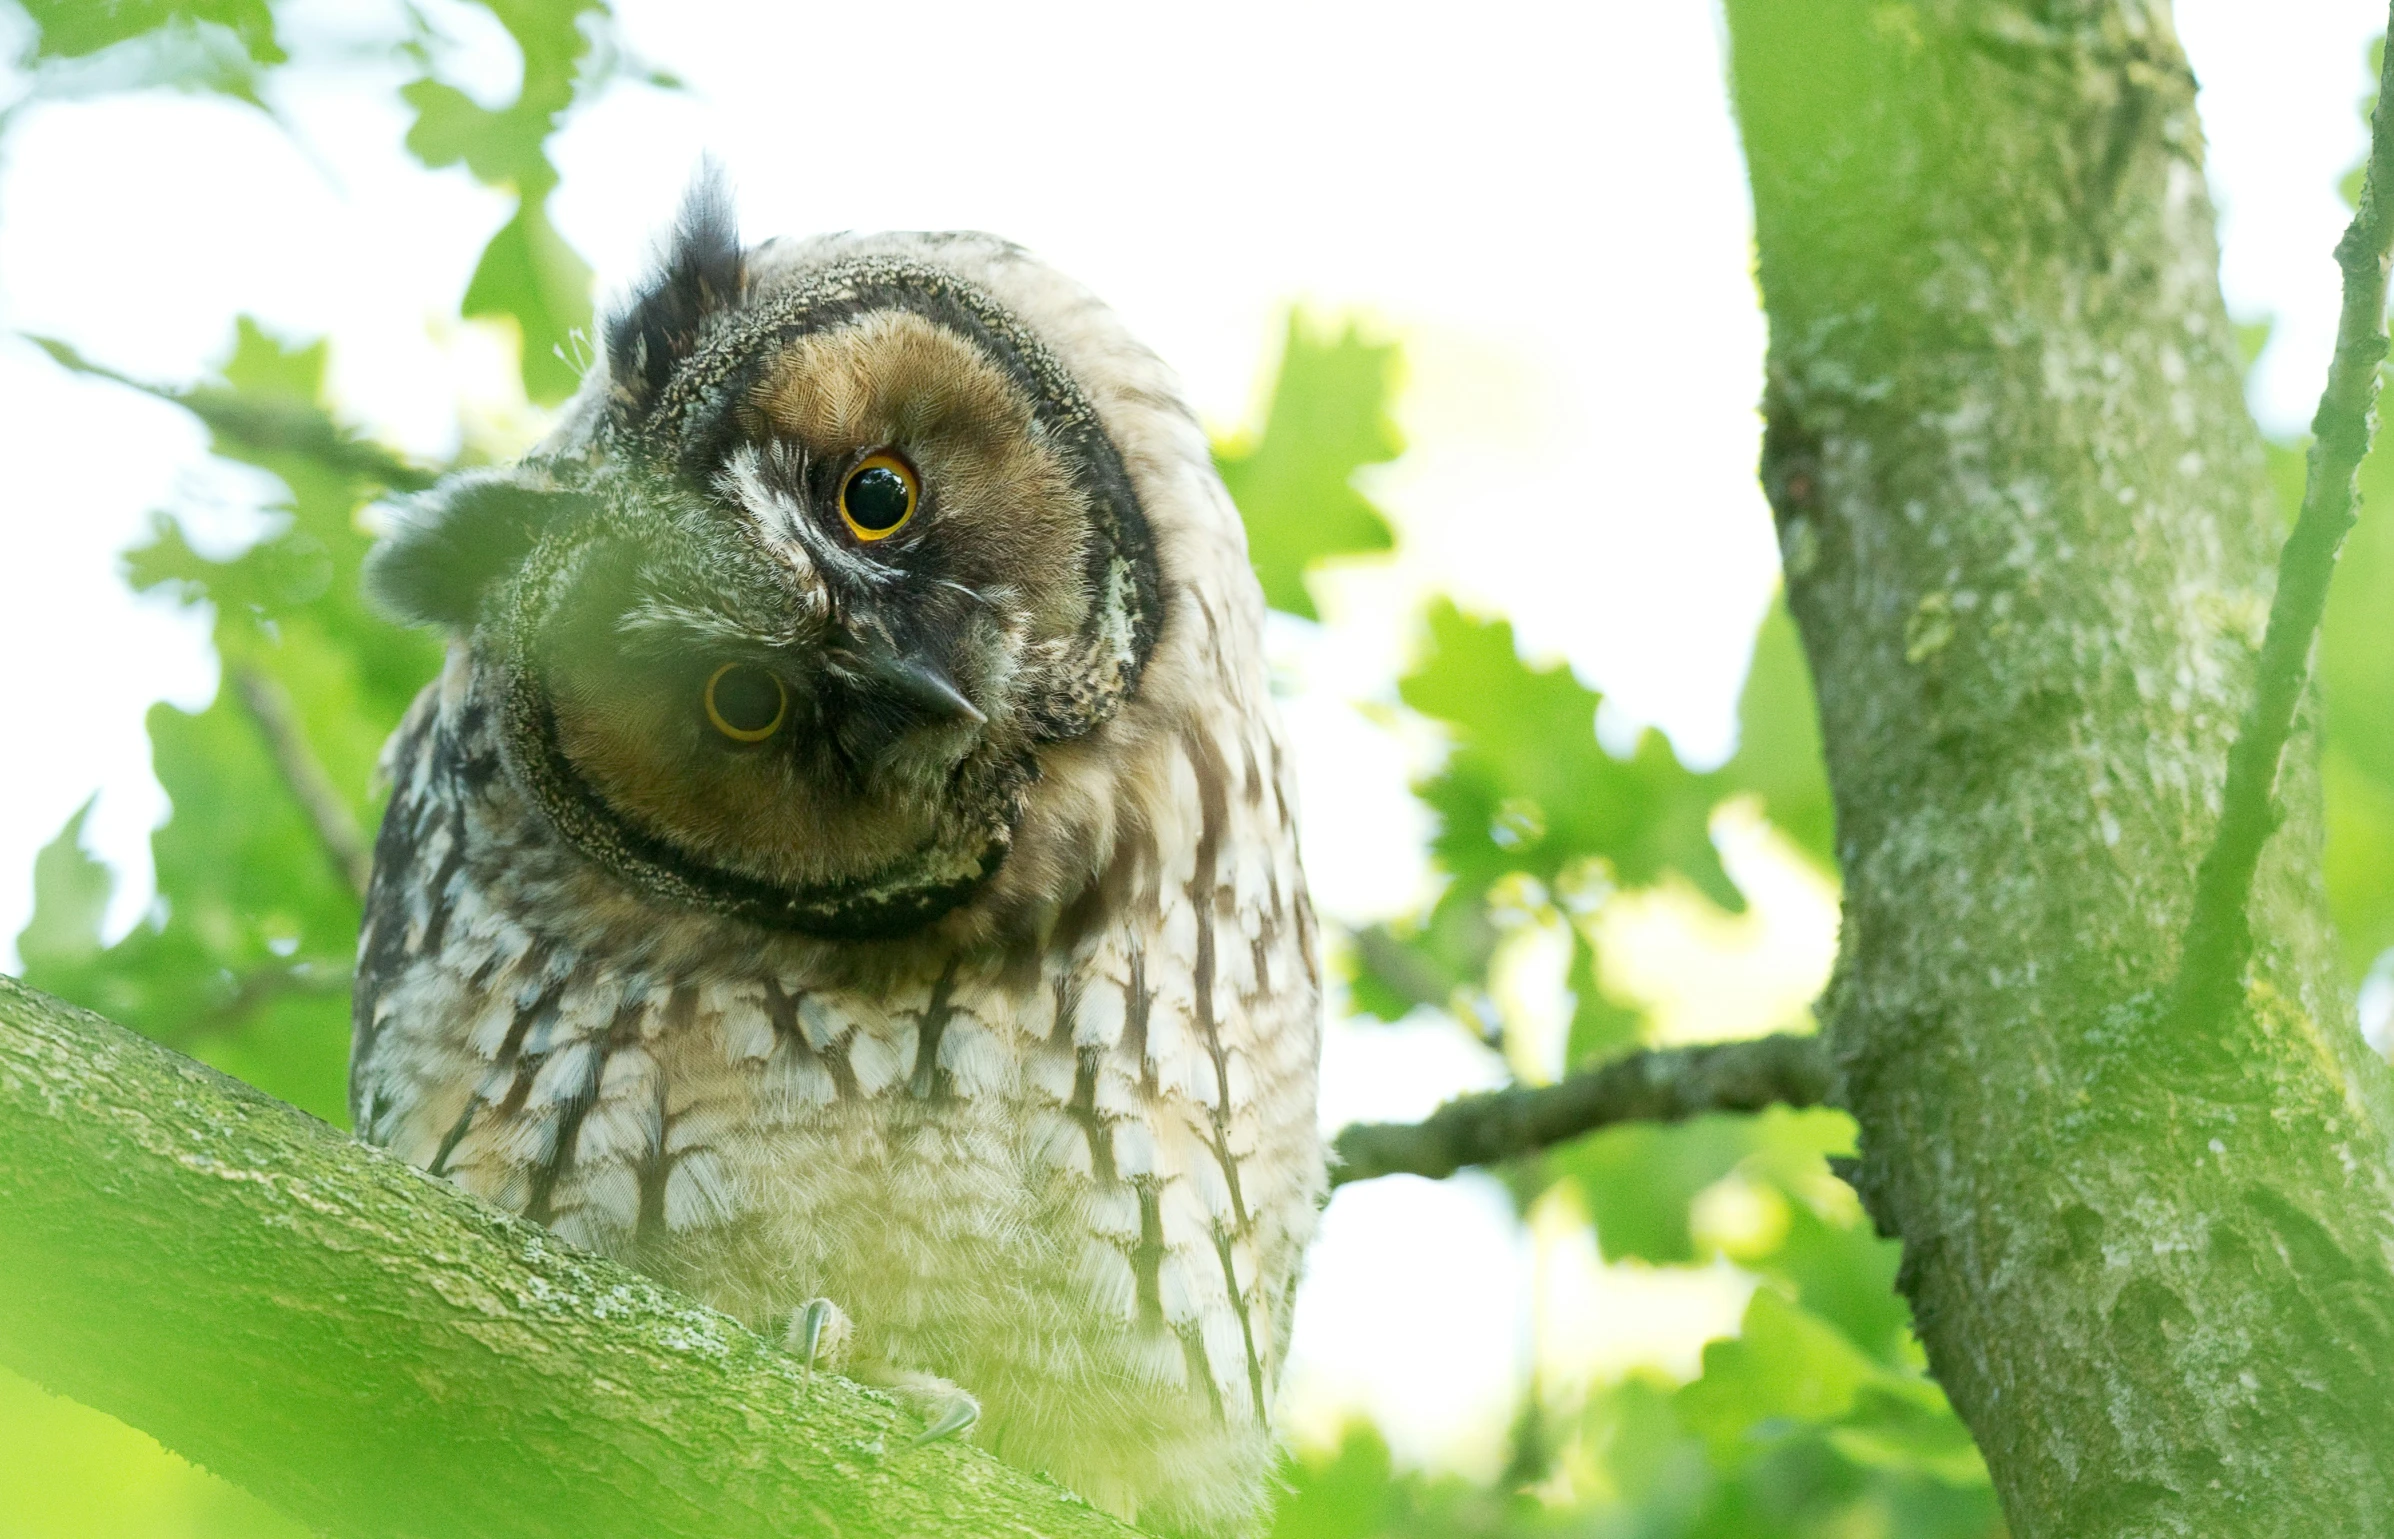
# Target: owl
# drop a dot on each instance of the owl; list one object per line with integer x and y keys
{"x": 847, "y": 865}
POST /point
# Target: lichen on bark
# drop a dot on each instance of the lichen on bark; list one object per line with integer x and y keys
{"x": 2029, "y": 544}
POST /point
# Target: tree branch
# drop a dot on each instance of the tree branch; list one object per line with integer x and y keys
{"x": 380, "y": 1355}
{"x": 263, "y": 985}
{"x": 267, "y": 426}
{"x": 327, "y": 813}
{"x": 2219, "y": 939}
{"x": 1665, "y": 1085}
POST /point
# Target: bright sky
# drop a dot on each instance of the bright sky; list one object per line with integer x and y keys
{"x": 1543, "y": 201}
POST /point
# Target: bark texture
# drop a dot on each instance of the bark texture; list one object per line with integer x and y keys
{"x": 2028, "y": 540}
{"x": 378, "y": 1354}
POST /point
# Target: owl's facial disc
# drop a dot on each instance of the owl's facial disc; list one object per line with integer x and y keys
{"x": 827, "y": 665}
{"x": 704, "y": 717}
{"x": 782, "y": 623}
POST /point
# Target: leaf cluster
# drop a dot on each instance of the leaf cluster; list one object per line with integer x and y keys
{"x": 1818, "y": 1418}
{"x": 1815, "y": 1420}
{"x": 245, "y": 958}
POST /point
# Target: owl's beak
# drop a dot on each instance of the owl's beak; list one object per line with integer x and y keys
{"x": 888, "y": 665}
{"x": 921, "y": 684}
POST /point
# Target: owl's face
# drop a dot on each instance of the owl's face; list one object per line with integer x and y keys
{"x": 786, "y": 614}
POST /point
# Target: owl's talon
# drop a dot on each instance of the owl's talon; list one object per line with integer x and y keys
{"x": 959, "y": 1413}
{"x": 810, "y": 1331}
{"x": 817, "y": 1333}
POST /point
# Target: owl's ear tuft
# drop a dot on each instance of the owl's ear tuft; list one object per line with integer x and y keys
{"x": 455, "y": 541}
{"x": 699, "y": 273}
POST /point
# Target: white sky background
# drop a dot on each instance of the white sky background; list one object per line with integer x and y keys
{"x": 1543, "y": 201}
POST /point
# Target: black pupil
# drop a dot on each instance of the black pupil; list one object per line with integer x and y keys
{"x": 748, "y": 699}
{"x": 877, "y": 498}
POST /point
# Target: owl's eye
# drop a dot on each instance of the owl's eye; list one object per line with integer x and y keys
{"x": 879, "y": 496}
{"x": 746, "y": 703}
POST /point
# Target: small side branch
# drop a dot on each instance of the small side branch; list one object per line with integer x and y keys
{"x": 1664, "y": 1085}
{"x": 335, "y": 825}
{"x": 2218, "y": 934}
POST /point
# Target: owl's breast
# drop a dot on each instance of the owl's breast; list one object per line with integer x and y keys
{"x": 1076, "y": 1180}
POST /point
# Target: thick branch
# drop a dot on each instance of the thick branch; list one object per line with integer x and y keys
{"x": 2219, "y": 937}
{"x": 2018, "y": 497}
{"x": 1665, "y": 1085}
{"x": 379, "y": 1354}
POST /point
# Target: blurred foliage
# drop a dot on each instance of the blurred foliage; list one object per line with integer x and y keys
{"x": 529, "y": 277}
{"x": 1533, "y": 811}
{"x": 2356, "y": 680}
{"x": 245, "y": 959}
{"x": 73, "y": 1473}
{"x": 1817, "y": 1419}
{"x": 74, "y": 29}
{"x": 1294, "y": 481}
{"x": 1814, "y": 1422}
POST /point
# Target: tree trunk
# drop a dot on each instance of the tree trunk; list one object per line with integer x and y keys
{"x": 378, "y": 1354}
{"x": 2029, "y": 543}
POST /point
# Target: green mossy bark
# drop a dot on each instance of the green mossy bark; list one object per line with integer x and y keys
{"x": 2029, "y": 543}
{"x": 378, "y": 1354}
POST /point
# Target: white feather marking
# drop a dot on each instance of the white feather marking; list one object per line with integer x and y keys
{"x": 880, "y": 1062}
{"x": 697, "y": 1191}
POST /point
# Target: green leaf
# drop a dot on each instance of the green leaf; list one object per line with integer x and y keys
{"x": 1294, "y": 485}
{"x": 246, "y": 962}
{"x": 1637, "y": 1180}
{"x": 70, "y": 898}
{"x": 1529, "y": 789}
{"x": 72, "y": 29}
{"x": 1778, "y": 754}
{"x": 1910, "y": 1429}
{"x": 2356, "y": 682}
{"x": 1600, "y": 1027}
{"x": 529, "y": 274}
{"x": 1785, "y": 1369}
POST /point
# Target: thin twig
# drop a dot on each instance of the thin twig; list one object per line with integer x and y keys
{"x": 2218, "y": 933}
{"x": 1663, "y": 1085}
{"x": 335, "y": 825}
{"x": 263, "y": 424}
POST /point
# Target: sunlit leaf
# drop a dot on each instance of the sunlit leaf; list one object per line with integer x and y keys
{"x": 1783, "y": 1370}
{"x": 1295, "y": 484}
{"x": 246, "y": 960}
{"x": 1778, "y": 754}
{"x": 1638, "y": 1180}
{"x": 70, "y": 897}
{"x": 73, "y": 28}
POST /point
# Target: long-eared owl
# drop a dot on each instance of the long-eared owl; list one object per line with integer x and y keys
{"x": 847, "y": 865}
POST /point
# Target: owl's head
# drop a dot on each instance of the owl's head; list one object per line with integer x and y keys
{"x": 829, "y": 552}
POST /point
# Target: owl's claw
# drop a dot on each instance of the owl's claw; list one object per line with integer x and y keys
{"x": 960, "y": 1412}
{"x": 817, "y": 1333}
{"x": 810, "y": 1331}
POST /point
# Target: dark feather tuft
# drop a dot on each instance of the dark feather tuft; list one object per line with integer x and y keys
{"x": 455, "y": 541}
{"x": 699, "y": 273}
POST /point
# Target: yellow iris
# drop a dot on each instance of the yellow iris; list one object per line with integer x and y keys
{"x": 746, "y": 703}
{"x": 879, "y": 496}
